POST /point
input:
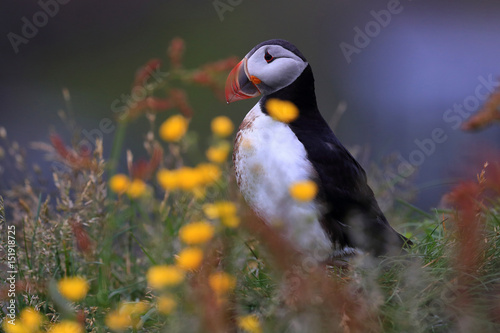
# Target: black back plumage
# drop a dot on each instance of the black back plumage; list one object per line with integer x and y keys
{"x": 352, "y": 216}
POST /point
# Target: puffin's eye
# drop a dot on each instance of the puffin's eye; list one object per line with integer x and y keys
{"x": 268, "y": 57}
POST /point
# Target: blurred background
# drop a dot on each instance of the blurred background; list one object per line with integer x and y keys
{"x": 402, "y": 76}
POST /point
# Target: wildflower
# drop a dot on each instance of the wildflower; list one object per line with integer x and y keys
{"x": 219, "y": 153}
{"x": 14, "y": 327}
{"x": 164, "y": 276}
{"x": 167, "y": 179}
{"x": 137, "y": 188}
{"x": 188, "y": 178}
{"x": 134, "y": 308}
{"x": 209, "y": 173}
{"x": 174, "y": 128}
{"x": 127, "y": 315}
{"x": 211, "y": 211}
{"x": 221, "y": 283}
{"x": 119, "y": 183}
{"x": 222, "y": 126}
{"x": 231, "y": 221}
{"x": 166, "y": 304}
{"x": 304, "y": 190}
{"x": 66, "y": 326}
{"x": 250, "y": 324}
{"x": 223, "y": 210}
{"x": 117, "y": 321}
{"x": 74, "y": 288}
{"x": 284, "y": 111}
{"x": 196, "y": 233}
{"x": 31, "y": 319}
{"x": 189, "y": 258}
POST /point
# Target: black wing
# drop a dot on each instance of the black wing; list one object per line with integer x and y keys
{"x": 352, "y": 216}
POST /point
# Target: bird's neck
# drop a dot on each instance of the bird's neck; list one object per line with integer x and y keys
{"x": 300, "y": 92}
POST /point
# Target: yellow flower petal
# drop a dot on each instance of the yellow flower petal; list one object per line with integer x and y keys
{"x": 189, "y": 258}
{"x": 67, "y": 326}
{"x": 211, "y": 211}
{"x": 231, "y": 221}
{"x": 117, "y": 321}
{"x": 196, "y": 233}
{"x": 136, "y": 189}
{"x": 250, "y": 324}
{"x": 119, "y": 183}
{"x": 208, "y": 173}
{"x": 284, "y": 111}
{"x": 222, "y": 126}
{"x": 31, "y": 319}
{"x": 223, "y": 210}
{"x": 15, "y": 326}
{"x": 166, "y": 304}
{"x": 74, "y": 288}
{"x": 167, "y": 179}
{"x": 164, "y": 276}
{"x": 134, "y": 308}
{"x": 188, "y": 178}
{"x": 221, "y": 282}
{"x": 304, "y": 191}
{"x": 127, "y": 315}
{"x": 174, "y": 128}
{"x": 219, "y": 153}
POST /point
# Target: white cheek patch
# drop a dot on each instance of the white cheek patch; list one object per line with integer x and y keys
{"x": 279, "y": 73}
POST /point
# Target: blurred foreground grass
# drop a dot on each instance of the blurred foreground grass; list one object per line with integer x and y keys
{"x": 170, "y": 247}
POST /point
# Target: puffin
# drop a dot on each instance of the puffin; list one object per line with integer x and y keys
{"x": 269, "y": 156}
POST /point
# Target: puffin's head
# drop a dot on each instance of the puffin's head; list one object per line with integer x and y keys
{"x": 268, "y": 67}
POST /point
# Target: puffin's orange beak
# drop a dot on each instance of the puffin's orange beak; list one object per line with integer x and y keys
{"x": 240, "y": 85}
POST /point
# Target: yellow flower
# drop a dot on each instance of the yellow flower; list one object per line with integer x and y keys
{"x": 14, "y": 327}
{"x": 117, "y": 321}
{"x": 284, "y": 111}
{"x": 167, "y": 179}
{"x": 133, "y": 308}
{"x": 231, "y": 221}
{"x": 188, "y": 178}
{"x": 164, "y": 276}
{"x": 174, "y": 128}
{"x": 211, "y": 211}
{"x": 219, "y": 153}
{"x": 304, "y": 190}
{"x": 189, "y": 258}
{"x": 222, "y": 126}
{"x": 119, "y": 183}
{"x": 166, "y": 304}
{"x": 209, "y": 173}
{"x": 67, "y": 326}
{"x": 221, "y": 282}
{"x": 31, "y": 319}
{"x": 73, "y": 288}
{"x": 250, "y": 324}
{"x": 127, "y": 315}
{"x": 136, "y": 189}
{"x": 223, "y": 210}
{"x": 196, "y": 233}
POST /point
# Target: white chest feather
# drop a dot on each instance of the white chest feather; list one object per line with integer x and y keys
{"x": 268, "y": 159}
